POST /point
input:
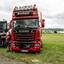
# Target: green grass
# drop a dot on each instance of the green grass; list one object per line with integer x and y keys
{"x": 52, "y": 51}
{"x": 53, "y": 38}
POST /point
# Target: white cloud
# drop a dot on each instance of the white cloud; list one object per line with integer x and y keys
{"x": 5, "y": 15}
{"x": 54, "y": 23}
{"x": 48, "y": 7}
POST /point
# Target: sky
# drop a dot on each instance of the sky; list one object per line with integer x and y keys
{"x": 52, "y": 10}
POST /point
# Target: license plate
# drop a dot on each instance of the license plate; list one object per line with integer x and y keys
{"x": 24, "y": 50}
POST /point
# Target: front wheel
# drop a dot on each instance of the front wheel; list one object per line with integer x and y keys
{"x": 2, "y": 43}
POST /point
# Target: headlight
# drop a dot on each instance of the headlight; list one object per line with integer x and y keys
{"x": 37, "y": 45}
{"x": 3, "y": 36}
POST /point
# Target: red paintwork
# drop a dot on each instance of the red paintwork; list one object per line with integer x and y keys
{"x": 29, "y": 17}
{"x": 13, "y": 36}
{"x": 38, "y": 35}
{"x": 33, "y": 49}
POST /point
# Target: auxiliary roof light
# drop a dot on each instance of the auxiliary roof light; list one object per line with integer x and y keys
{"x": 16, "y": 8}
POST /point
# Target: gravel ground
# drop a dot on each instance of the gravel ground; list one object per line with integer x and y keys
{"x": 4, "y": 60}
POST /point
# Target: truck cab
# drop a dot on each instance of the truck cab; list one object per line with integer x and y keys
{"x": 26, "y": 33}
{"x": 3, "y": 30}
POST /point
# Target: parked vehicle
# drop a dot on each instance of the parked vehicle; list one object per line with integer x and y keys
{"x": 26, "y": 29}
{"x": 3, "y": 30}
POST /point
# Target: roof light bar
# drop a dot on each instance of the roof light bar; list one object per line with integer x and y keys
{"x": 24, "y": 7}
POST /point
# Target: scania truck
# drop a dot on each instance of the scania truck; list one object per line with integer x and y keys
{"x": 26, "y": 29}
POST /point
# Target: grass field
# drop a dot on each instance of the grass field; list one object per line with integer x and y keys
{"x": 52, "y": 52}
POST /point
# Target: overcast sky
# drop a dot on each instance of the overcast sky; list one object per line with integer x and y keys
{"x": 52, "y": 10}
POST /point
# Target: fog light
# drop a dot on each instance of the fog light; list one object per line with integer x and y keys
{"x": 37, "y": 45}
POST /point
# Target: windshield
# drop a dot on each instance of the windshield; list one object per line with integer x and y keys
{"x": 3, "y": 26}
{"x": 31, "y": 23}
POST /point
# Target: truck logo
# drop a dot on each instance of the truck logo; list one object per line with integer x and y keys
{"x": 23, "y": 30}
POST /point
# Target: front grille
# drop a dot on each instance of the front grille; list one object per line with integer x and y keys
{"x": 24, "y": 39}
{"x": 25, "y": 36}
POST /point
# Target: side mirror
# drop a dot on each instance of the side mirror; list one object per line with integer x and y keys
{"x": 43, "y": 23}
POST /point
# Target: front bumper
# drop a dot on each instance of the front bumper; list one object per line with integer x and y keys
{"x": 33, "y": 49}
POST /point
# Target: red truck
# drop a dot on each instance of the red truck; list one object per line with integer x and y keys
{"x": 26, "y": 29}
